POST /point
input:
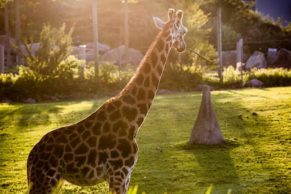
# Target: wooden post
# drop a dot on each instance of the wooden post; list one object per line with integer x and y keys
{"x": 95, "y": 35}
{"x": 239, "y": 58}
{"x": 82, "y": 56}
{"x": 219, "y": 43}
{"x": 2, "y": 59}
{"x": 17, "y": 28}
{"x": 126, "y": 32}
{"x": 7, "y": 33}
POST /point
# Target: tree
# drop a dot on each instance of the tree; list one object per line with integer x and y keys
{"x": 251, "y": 25}
{"x": 199, "y": 34}
{"x": 50, "y": 60}
{"x": 4, "y": 2}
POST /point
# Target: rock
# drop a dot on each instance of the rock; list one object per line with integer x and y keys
{"x": 200, "y": 87}
{"x": 206, "y": 129}
{"x": 229, "y": 58}
{"x": 271, "y": 56}
{"x": 257, "y": 60}
{"x": 29, "y": 100}
{"x": 163, "y": 91}
{"x": 118, "y": 56}
{"x": 283, "y": 59}
{"x": 255, "y": 83}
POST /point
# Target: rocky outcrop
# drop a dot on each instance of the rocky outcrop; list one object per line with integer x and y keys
{"x": 257, "y": 60}
{"x": 282, "y": 59}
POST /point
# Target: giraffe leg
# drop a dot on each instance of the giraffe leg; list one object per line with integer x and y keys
{"x": 119, "y": 182}
{"x": 44, "y": 181}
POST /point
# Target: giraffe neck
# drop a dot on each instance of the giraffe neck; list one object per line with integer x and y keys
{"x": 144, "y": 85}
{"x": 127, "y": 110}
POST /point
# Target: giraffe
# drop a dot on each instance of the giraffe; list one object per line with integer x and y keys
{"x": 103, "y": 146}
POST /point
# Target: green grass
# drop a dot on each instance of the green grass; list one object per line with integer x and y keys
{"x": 256, "y": 158}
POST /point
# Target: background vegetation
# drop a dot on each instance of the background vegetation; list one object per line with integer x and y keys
{"x": 53, "y": 74}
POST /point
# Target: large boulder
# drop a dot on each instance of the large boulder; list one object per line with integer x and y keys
{"x": 283, "y": 59}
{"x": 120, "y": 56}
{"x": 255, "y": 83}
{"x": 257, "y": 60}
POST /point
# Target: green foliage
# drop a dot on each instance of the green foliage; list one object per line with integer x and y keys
{"x": 259, "y": 31}
{"x": 198, "y": 34}
{"x": 272, "y": 77}
{"x": 51, "y": 59}
{"x": 7, "y": 82}
{"x": 133, "y": 190}
{"x": 176, "y": 77}
{"x": 181, "y": 77}
{"x": 232, "y": 79}
{"x": 28, "y": 84}
{"x": 229, "y": 37}
{"x": 4, "y": 2}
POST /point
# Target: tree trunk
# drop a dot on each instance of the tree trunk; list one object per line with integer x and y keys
{"x": 206, "y": 129}
{"x": 7, "y": 33}
{"x": 17, "y": 29}
{"x": 95, "y": 35}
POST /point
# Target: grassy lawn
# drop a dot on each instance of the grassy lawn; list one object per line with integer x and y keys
{"x": 256, "y": 158}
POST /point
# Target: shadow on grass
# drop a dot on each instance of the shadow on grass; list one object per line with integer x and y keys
{"x": 22, "y": 125}
{"x": 246, "y": 124}
{"x": 216, "y": 164}
{"x": 23, "y": 116}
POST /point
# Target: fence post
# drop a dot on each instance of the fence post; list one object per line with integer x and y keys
{"x": 95, "y": 35}
{"x": 2, "y": 59}
{"x": 239, "y": 57}
{"x": 219, "y": 43}
{"x": 82, "y": 56}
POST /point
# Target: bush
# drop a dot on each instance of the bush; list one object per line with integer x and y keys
{"x": 232, "y": 79}
{"x": 52, "y": 57}
{"x": 272, "y": 77}
{"x": 7, "y": 82}
{"x": 181, "y": 77}
{"x": 111, "y": 80}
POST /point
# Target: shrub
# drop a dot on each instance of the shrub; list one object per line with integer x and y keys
{"x": 272, "y": 77}
{"x": 232, "y": 79}
{"x": 52, "y": 57}
{"x": 7, "y": 82}
{"x": 181, "y": 77}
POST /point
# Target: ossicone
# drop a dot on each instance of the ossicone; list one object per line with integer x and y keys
{"x": 179, "y": 14}
{"x": 171, "y": 13}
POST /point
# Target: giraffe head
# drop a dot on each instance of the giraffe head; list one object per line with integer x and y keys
{"x": 176, "y": 28}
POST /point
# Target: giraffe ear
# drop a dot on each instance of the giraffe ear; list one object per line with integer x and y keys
{"x": 171, "y": 14}
{"x": 159, "y": 22}
{"x": 179, "y": 14}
